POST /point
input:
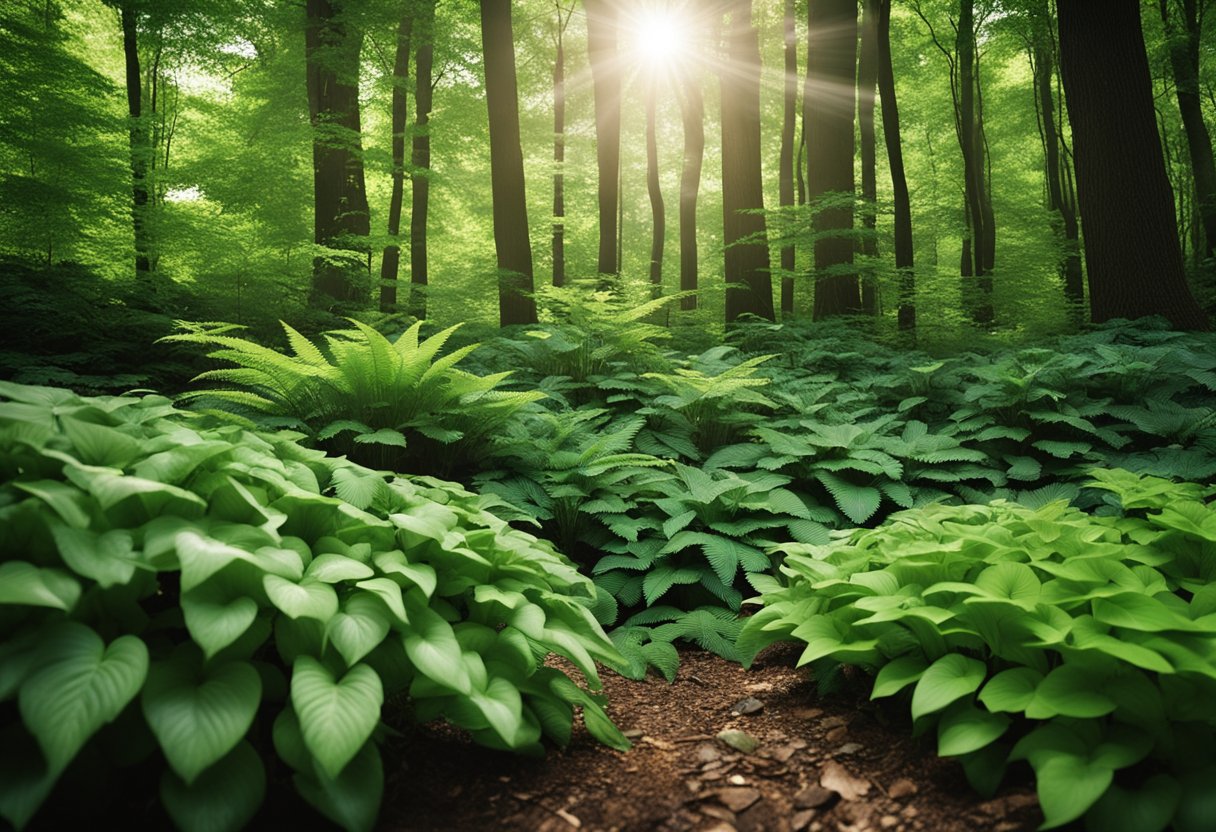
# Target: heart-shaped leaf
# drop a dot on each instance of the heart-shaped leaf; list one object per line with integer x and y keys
{"x": 215, "y": 623}
{"x": 359, "y": 627}
{"x": 432, "y": 647}
{"x": 308, "y": 599}
{"x": 332, "y": 568}
{"x": 352, "y": 799}
{"x": 897, "y": 674}
{"x": 224, "y": 798}
{"x": 947, "y": 680}
{"x": 964, "y": 728}
{"x": 23, "y": 583}
{"x": 336, "y": 717}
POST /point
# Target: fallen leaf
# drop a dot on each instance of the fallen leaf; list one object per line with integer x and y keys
{"x": 739, "y": 740}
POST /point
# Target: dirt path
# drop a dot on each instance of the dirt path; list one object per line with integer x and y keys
{"x": 819, "y": 765}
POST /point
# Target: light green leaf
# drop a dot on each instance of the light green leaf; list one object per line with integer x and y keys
{"x": 309, "y": 599}
{"x": 897, "y": 674}
{"x": 964, "y": 729}
{"x": 1011, "y": 690}
{"x": 1068, "y": 785}
{"x": 1071, "y": 690}
{"x": 359, "y": 627}
{"x": 24, "y": 584}
{"x": 336, "y": 717}
{"x": 433, "y": 649}
{"x": 332, "y": 568}
{"x": 947, "y": 680}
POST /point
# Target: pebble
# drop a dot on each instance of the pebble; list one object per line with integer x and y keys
{"x": 836, "y": 777}
{"x": 901, "y": 788}
{"x": 633, "y": 734}
{"x": 721, "y": 827}
{"x": 812, "y": 797}
{"x": 837, "y": 734}
{"x": 849, "y": 748}
{"x": 706, "y": 753}
{"x": 888, "y": 821}
{"x": 737, "y": 780}
{"x": 748, "y": 705}
{"x": 802, "y": 820}
{"x": 739, "y": 740}
{"x": 738, "y": 798}
{"x": 719, "y": 812}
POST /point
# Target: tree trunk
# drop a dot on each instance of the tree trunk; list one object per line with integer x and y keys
{"x": 658, "y": 236}
{"x": 692, "y": 114}
{"x": 390, "y": 260}
{"x": 1184, "y": 59}
{"x": 786, "y": 175}
{"x": 420, "y": 157}
{"x": 976, "y": 288}
{"x": 602, "y": 34}
{"x": 140, "y": 151}
{"x": 340, "y": 214}
{"x": 899, "y": 181}
{"x": 511, "y": 243}
{"x": 747, "y": 263}
{"x": 1127, "y": 212}
{"x": 831, "y": 68}
{"x": 867, "y": 83}
{"x": 559, "y": 147}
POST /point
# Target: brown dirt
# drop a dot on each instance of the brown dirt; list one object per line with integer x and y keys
{"x": 679, "y": 776}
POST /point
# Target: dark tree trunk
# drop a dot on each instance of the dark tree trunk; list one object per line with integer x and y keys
{"x": 140, "y": 149}
{"x": 420, "y": 156}
{"x": 602, "y": 26}
{"x": 977, "y": 285}
{"x": 391, "y": 259}
{"x": 1127, "y": 212}
{"x": 514, "y": 250}
{"x": 1043, "y": 51}
{"x": 899, "y": 181}
{"x": 831, "y": 67}
{"x": 658, "y": 235}
{"x": 559, "y": 147}
{"x": 867, "y": 83}
{"x": 786, "y": 177}
{"x": 692, "y": 113}
{"x": 747, "y": 263}
{"x": 1184, "y": 59}
{"x": 340, "y": 214}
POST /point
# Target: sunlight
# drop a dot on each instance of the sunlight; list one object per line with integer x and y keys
{"x": 661, "y": 37}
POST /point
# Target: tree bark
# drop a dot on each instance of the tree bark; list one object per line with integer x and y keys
{"x": 391, "y": 258}
{"x": 786, "y": 173}
{"x": 747, "y": 263}
{"x": 658, "y": 234}
{"x": 420, "y": 157}
{"x": 974, "y": 271}
{"x": 831, "y": 69}
{"x": 692, "y": 114}
{"x": 904, "y": 252}
{"x": 1184, "y": 59}
{"x": 137, "y": 133}
{"x": 340, "y": 213}
{"x": 867, "y": 86}
{"x": 559, "y": 146}
{"x": 1127, "y": 212}
{"x": 602, "y": 34}
{"x": 511, "y": 243}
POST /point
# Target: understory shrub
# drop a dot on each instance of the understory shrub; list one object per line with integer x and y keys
{"x": 175, "y": 587}
{"x": 1084, "y": 645}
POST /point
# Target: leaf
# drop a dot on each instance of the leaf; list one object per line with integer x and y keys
{"x": 432, "y": 648}
{"x": 1011, "y": 690}
{"x": 24, "y": 584}
{"x": 214, "y": 622}
{"x": 1071, "y": 690}
{"x": 358, "y": 487}
{"x": 964, "y": 729}
{"x": 199, "y": 717}
{"x": 81, "y": 685}
{"x": 332, "y": 568}
{"x": 359, "y": 627}
{"x": 1068, "y": 785}
{"x": 336, "y": 717}
{"x": 1025, "y": 468}
{"x": 384, "y": 436}
{"x": 309, "y": 599}
{"x": 897, "y": 674}
{"x": 947, "y": 680}
{"x": 224, "y": 798}
{"x": 1148, "y": 808}
{"x": 857, "y": 502}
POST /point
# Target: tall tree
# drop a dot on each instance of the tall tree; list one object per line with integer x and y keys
{"x": 561, "y": 23}
{"x": 1184, "y": 21}
{"x": 975, "y": 268}
{"x": 514, "y": 250}
{"x": 1132, "y": 254}
{"x": 340, "y": 214}
{"x": 786, "y": 167}
{"x": 658, "y": 213}
{"x": 420, "y": 155}
{"x": 904, "y": 252}
{"x": 137, "y": 132}
{"x": 391, "y": 258}
{"x": 828, "y": 102}
{"x": 603, "y": 24}
{"x": 867, "y": 88}
{"x": 692, "y": 115}
{"x": 744, "y": 228}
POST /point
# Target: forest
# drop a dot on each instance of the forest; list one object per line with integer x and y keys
{"x": 611, "y": 414}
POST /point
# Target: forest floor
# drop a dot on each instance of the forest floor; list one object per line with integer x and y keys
{"x": 838, "y": 764}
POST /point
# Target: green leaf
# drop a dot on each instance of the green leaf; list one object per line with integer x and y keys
{"x": 964, "y": 728}
{"x": 897, "y": 674}
{"x": 1148, "y": 808}
{"x": 1071, "y": 690}
{"x": 215, "y": 622}
{"x": 421, "y": 575}
{"x": 100, "y": 445}
{"x": 857, "y": 502}
{"x": 224, "y": 798}
{"x": 106, "y": 558}
{"x": 309, "y": 599}
{"x": 351, "y": 800}
{"x": 947, "y": 680}
{"x": 384, "y": 436}
{"x": 359, "y": 627}
{"x": 81, "y": 685}
{"x": 1011, "y": 690}
{"x": 1068, "y": 785}
{"x": 432, "y": 647}
{"x": 24, "y": 584}
{"x": 1009, "y": 580}
{"x": 336, "y": 717}
{"x": 199, "y": 717}
{"x": 332, "y": 568}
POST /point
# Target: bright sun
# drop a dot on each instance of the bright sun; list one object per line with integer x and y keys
{"x": 660, "y": 37}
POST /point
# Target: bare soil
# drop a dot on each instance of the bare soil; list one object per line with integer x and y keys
{"x": 839, "y": 763}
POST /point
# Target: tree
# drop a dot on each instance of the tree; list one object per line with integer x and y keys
{"x": 658, "y": 214}
{"x": 692, "y": 116}
{"x": 867, "y": 88}
{"x": 139, "y": 142}
{"x": 789, "y": 103}
{"x": 340, "y": 213}
{"x": 828, "y": 111}
{"x": 1183, "y": 21}
{"x": 559, "y": 142}
{"x": 392, "y": 252}
{"x": 511, "y": 243}
{"x": 603, "y": 23}
{"x": 1132, "y": 254}
{"x": 420, "y": 156}
{"x": 744, "y": 228}
{"x": 904, "y": 252}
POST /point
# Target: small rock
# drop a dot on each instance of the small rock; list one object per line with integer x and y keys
{"x": 710, "y": 766}
{"x": 802, "y": 820}
{"x": 812, "y": 797}
{"x": 739, "y": 740}
{"x": 836, "y": 777}
{"x": 849, "y": 748}
{"x": 833, "y": 722}
{"x": 798, "y": 743}
{"x": 808, "y": 713}
{"x": 901, "y": 788}
{"x": 706, "y": 753}
{"x": 837, "y": 734}
{"x": 693, "y": 786}
{"x": 662, "y": 745}
{"x": 569, "y": 818}
{"x": 718, "y": 812}
{"x": 888, "y": 821}
{"x": 738, "y": 798}
{"x": 721, "y": 827}
{"x": 748, "y": 705}
{"x": 911, "y": 812}
{"x": 760, "y": 687}
{"x": 710, "y": 776}
{"x": 737, "y": 780}
{"x": 633, "y": 734}
{"x": 783, "y": 754}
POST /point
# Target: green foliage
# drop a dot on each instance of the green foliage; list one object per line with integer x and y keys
{"x": 1084, "y": 645}
{"x": 198, "y": 588}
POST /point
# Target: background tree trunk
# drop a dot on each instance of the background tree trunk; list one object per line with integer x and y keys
{"x": 658, "y": 235}
{"x": 904, "y": 252}
{"x": 976, "y": 287}
{"x": 1127, "y": 211}
{"x": 602, "y": 35}
{"x": 420, "y": 157}
{"x": 867, "y": 84}
{"x": 559, "y": 145}
{"x": 692, "y": 114}
{"x": 747, "y": 264}
{"x": 511, "y": 243}
{"x": 391, "y": 258}
{"x": 140, "y": 150}
{"x": 828, "y": 104}
{"x": 786, "y": 174}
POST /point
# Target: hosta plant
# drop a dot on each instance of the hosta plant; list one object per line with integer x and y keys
{"x": 1082, "y": 645}
{"x": 241, "y": 607}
